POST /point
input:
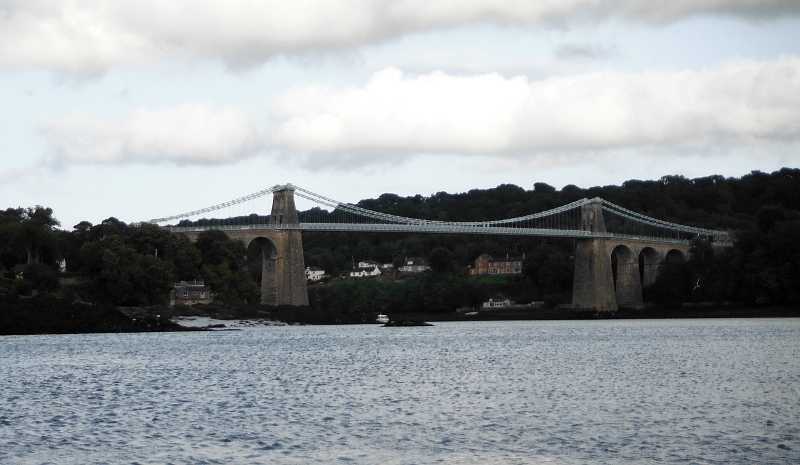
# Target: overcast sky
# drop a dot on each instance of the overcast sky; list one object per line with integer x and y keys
{"x": 145, "y": 109}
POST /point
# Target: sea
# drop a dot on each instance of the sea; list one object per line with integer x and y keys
{"x": 693, "y": 391}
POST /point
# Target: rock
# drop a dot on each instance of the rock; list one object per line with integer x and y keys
{"x": 407, "y": 323}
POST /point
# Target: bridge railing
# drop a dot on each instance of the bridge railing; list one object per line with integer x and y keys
{"x": 430, "y": 229}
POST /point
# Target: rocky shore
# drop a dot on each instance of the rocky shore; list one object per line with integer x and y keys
{"x": 50, "y": 315}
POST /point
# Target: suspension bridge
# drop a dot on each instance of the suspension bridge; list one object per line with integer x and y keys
{"x": 617, "y": 250}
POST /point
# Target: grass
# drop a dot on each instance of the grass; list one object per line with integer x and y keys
{"x": 5, "y": 284}
{"x": 494, "y": 278}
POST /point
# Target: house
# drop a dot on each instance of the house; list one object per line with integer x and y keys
{"x": 414, "y": 265}
{"x": 496, "y": 302}
{"x": 368, "y": 264}
{"x": 362, "y": 272}
{"x": 19, "y": 270}
{"x": 190, "y": 293}
{"x": 485, "y": 264}
{"x": 314, "y": 274}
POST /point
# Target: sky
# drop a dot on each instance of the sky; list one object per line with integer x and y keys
{"x": 146, "y": 109}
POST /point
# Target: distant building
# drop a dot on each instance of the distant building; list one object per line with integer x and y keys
{"x": 414, "y": 265}
{"x": 190, "y": 293}
{"x": 496, "y": 302}
{"x": 362, "y": 272}
{"x": 314, "y": 274}
{"x": 368, "y": 264}
{"x": 485, "y": 264}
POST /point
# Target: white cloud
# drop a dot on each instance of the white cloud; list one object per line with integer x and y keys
{"x": 743, "y": 106}
{"x": 740, "y": 104}
{"x": 192, "y": 133}
{"x": 88, "y": 36}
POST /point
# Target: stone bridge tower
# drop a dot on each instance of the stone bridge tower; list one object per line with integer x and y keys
{"x": 611, "y": 272}
{"x": 283, "y": 276}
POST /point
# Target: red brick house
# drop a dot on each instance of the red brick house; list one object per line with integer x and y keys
{"x": 485, "y": 264}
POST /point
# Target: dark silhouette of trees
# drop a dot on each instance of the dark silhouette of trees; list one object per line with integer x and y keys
{"x": 137, "y": 264}
{"x": 224, "y": 268}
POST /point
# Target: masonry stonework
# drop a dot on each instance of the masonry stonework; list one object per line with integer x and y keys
{"x": 283, "y": 271}
{"x": 608, "y": 275}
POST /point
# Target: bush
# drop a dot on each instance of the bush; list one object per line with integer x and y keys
{"x": 42, "y": 278}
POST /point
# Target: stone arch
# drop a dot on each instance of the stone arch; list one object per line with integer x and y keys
{"x": 649, "y": 259}
{"x": 627, "y": 280}
{"x": 269, "y": 269}
{"x": 675, "y": 255}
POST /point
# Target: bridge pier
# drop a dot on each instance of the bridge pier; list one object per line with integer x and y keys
{"x": 610, "y": 273}
{"x": 283, "y": 271}
{"x": 593, "y": 285}
{"x": 628, "y": 285}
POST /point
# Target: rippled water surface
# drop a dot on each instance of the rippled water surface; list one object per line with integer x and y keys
{"x": 669, "y": 391}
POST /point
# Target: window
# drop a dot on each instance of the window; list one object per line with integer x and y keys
{"x": 202, "y": 295}
{"x": 186, "y": 293}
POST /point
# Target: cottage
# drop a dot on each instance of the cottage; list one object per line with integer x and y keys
{"x": 314, "y": 274}
{"x": 365, "y": 272}
{"x": 496, "y": 302}
{"x": 190, "y": 293}
{"x": 414, "y": 265}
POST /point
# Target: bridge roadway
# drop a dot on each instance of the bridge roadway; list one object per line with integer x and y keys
{"x": 428, "y": 228}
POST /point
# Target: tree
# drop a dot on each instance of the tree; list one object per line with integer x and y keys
{"x": 28, "y": 235}
{"x": 550, "y": 269}
{"x": 441, "y": 260}
{"x": 42, "y": 278}
{"x": 673, "y": 284}
{"x": 224, "y": 268}
{"x": 217, "y": 248}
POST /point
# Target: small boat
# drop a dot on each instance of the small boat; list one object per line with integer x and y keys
{"x": 382, "y": 318}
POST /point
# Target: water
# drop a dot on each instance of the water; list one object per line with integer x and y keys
{"x": 669, "y": 391}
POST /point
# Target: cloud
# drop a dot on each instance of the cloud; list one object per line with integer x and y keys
{"x": 89, "y": 36}
{"x": 741, "y": 104}
{"x": 585, "y": 51}
{"x": 191, "y": 133}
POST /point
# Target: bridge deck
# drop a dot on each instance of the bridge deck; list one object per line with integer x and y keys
{"x": 430, "y": 228}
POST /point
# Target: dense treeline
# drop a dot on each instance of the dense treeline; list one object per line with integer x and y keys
{"x": 762, "y": 209}
{"x": 118, "y": 263}
{"x": 136, "y": 264}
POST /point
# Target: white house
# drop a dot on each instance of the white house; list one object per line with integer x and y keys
{"x": 363, "y": 272}
{"x": 496, "y": 302}
{"x": 414, "y": 265}
{"x": 314, "y": 274}
{"x": 368, "y": 264}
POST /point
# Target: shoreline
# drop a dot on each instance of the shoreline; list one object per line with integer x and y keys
{"x": 59, "y": 316}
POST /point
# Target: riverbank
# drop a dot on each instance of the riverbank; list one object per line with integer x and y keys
{"x": 48, "y": 315}
{"x": 306, "y": 315}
